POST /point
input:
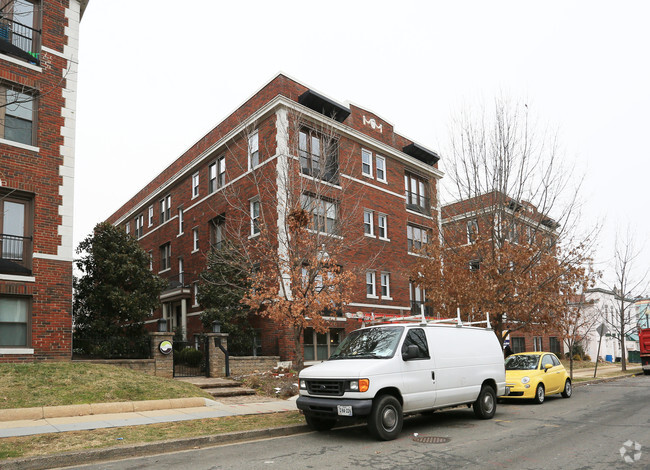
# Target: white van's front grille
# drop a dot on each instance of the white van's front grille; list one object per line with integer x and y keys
{"x": 326, "y": 387}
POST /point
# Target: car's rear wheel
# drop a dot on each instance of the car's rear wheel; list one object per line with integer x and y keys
{"x": 568, "y": 389}
{"x": 319, "y": 424}
{"x": 486, "y": 404}
{"x": 386, "y": 420}
{"x": 646, "y": 371}
{"x": 540, "y": 394}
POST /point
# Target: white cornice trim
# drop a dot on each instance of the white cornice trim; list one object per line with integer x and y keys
{"x": 13, "y": 277}
{"x": 16, "y": 351}
{"x": 53, "y": 257}
{"x": 22, "y": 63}
{"x": 20, "y": 145}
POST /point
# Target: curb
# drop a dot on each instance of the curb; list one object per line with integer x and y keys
{"x": 64, "y": 411}
{"x": 141, "y": 450}
{"x": 604, "y": 379}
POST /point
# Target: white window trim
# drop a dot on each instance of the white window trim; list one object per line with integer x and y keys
{"x": 369, "y": 175}
{"x": 196, "y": 186}
{"x": 252, "y": 230}
{"x": 20, "y": 145}
{"x": 250, "y": 163}
{"x": 385, "y": 227}
{"x": 372, "y": 224}
{"x": 195, "y": 292}
{"x": 384, "y": 179}
{"x": 150, "y": 215}
{"x": 195, "y": 239}
{"x": 374, "y": 285}
{"x": 381, "y": 279}
{"x": 180, "y": 222}
{"x": 16, "y": 351}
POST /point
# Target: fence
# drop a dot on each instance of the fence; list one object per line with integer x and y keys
{"x": 111, "y": 348}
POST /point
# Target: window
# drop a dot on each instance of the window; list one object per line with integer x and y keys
{"x": 255, "y": 217}
{"x": 518, "y": 345}
{"x": 165, "y": 209}
{"x": 385, "y": 285}
{"x": 418, "y": 299}
{"x": 416, "y": 237}
{"x": 367, "y": 223}
{"x": 165, "y": 257}
{"x": 382, "y": 224}
{"x": 181, "y": 271}
{"x": 416, "y": 337}
{"x": 253, "y": 150}
{"x": 217, "y": 231}
{"x": 537, "y": 343}
{"x": 151, "y": 261}
{"x": 139, "y": 225}
{"x": 14, "y": 321}
{"x": 180, "y": 221}
{"x": 474, "y": 265}
{"x": 17, "y": 116}
{"x": 371, "y": 290}
{"x": 381, "y": 168}
{"x": 195, "y": 239}
{"x": 366, "y": 162}
{"x": 319, "y": 346}
{"x": 195, "y": 185}
{"x": 318, "y": 155}
{"x": 217, "y": 177}
{"x": 554, "y": 345}
{"x": 416, "y": 194}
{"x": 21, "y": 28}
{"x": 150, "y": 216}
{"x": 221, "y": 172}
{"x": 472, "y": 230}
{"x": 324, "y": 213}
{"x": 15, "y": 234}
{"x": 127, "y": 228}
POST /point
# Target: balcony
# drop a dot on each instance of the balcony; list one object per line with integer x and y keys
{"x": 177, "y": 287}
{"x": 417, "y": 202}
{"x": 19, "y": 40}
{"x": 15, "y": 255}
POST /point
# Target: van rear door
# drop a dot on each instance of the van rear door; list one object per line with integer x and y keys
{"x": 418, "y": 372}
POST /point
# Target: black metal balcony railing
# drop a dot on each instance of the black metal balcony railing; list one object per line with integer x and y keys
{"x": 15, "y": 254}
{"x": 19, "y": 40}
{"x": 417, "y": 202}
{"x": 416, "y": 308}
{"x": 176, "y": 281}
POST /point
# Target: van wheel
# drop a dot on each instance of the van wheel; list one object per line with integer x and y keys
{"x": 320, "y": 424}
{"x": 539, "y": 394}
{"x": 386, "y": 420}
{"x": 568, "y": 390}
{"x": 646, "y": 371}
{"x": 486, "y": 404}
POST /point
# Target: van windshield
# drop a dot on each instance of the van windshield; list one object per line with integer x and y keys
{"x": 369, "y": 343}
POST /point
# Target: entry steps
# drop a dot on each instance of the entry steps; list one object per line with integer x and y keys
{"x": 219, "y": 387}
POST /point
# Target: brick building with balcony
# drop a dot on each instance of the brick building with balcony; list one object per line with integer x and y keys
{"x": 185, "y": 211}
{"x": 38, "y": 82}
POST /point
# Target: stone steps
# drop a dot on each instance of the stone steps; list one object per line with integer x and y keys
{"x": 229, "y": 391}
{"x": 219, "y": 387}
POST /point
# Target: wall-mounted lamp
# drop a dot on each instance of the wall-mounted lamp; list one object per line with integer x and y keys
{"x": 216, "y": 326}
{"x": 162, "y": 325}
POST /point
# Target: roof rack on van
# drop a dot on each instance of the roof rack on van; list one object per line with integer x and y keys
{"x": 374, "y": 319}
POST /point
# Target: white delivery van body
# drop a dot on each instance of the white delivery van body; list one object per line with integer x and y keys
{"x": 382, "y": 372}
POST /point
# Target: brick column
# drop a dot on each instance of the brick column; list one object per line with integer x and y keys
{"x": 217, "y": 357}
{"x": 164, "y": 363}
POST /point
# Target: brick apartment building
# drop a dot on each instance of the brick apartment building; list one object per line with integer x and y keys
{"x": 497, "y": 216}
{"x": 38, "y": 82}
{"x": 186, "y": 209}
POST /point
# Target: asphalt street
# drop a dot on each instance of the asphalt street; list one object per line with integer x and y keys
{"x": 599, "y": 427}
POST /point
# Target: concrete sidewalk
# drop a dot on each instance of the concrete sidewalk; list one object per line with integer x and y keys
{"x": 606, "y": 368}
{"x": 211, "y": 409}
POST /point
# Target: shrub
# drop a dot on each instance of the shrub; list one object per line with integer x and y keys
{"x": 587, "y": 357}
{"x": 577, "y": 357}
{"x": 190, "y": 356}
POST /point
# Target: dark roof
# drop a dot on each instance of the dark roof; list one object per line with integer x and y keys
{"x": 324, "y": 105}
{"x": 425, "y": 155}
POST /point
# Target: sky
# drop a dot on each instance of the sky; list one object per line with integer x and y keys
{"x": 176, "y": 69}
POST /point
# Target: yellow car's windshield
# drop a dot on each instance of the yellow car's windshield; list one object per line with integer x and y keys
{"x": 522, "y": 362}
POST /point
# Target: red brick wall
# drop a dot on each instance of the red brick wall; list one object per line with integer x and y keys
{"x": 37, "y": 173}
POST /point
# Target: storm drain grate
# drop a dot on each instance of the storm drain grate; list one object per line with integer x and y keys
{"x": 431, "y": 439}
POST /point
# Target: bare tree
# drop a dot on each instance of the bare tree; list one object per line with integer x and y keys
{"x": 292, "y": 216}
{"x": 575, "y": 324}
{"x": 628, "y": 285}
{"x": 509, "y": 244}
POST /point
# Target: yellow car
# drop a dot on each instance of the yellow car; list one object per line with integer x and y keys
{"x": 533, "y": 375}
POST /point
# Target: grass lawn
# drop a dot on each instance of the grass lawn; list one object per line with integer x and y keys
{"x": 70, "y": 383}
{"x": 45, "y": 444}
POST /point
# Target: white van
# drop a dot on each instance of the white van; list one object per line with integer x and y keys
{"x": 383, "y": 372}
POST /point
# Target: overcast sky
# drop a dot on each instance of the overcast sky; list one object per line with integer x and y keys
{"x": 155, "y": 76}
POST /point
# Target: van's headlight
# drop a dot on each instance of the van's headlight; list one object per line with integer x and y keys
{"x": 303, "y": 384}
{"x": 361, "y": 385}
{"x": 525, "y": 380}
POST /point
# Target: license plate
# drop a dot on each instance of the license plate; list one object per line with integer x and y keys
{"x": 344, "y": 410}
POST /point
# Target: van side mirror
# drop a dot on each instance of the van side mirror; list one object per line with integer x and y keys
{"x": 411, "y": 352}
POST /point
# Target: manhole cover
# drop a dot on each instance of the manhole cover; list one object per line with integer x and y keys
{"x": 431, "y": 439}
